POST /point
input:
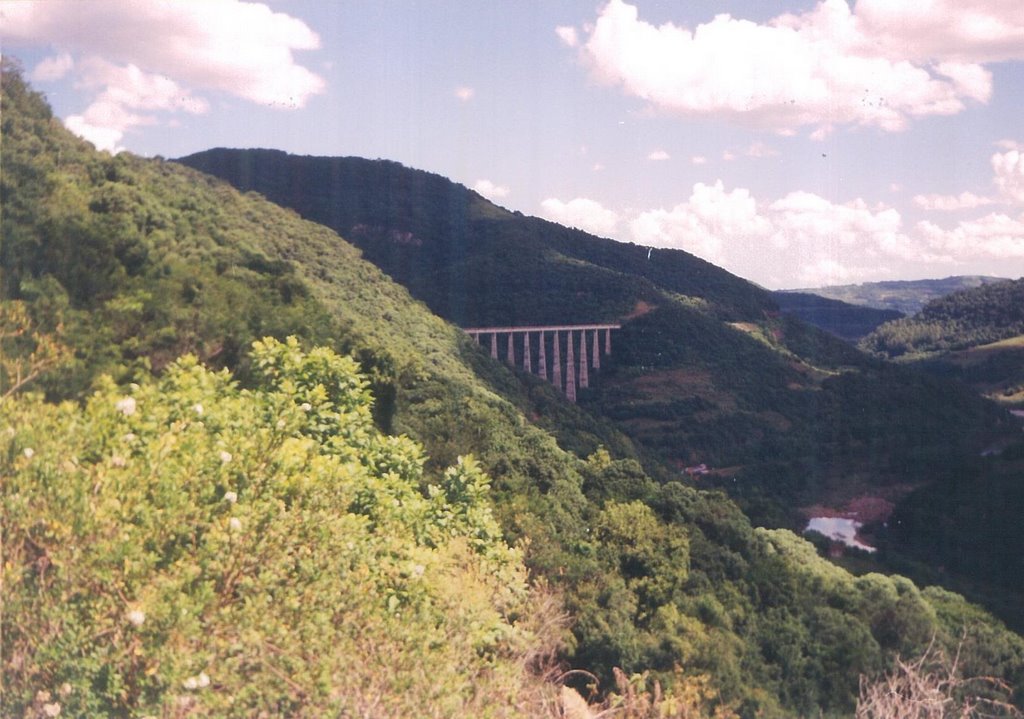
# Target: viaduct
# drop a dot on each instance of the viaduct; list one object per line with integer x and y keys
{"x": 588, "y": 358}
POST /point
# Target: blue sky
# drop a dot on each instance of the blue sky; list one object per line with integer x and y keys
{"x": 793, "y": 143}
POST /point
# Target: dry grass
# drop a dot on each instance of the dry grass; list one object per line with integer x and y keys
{"x": 931, "y": 687}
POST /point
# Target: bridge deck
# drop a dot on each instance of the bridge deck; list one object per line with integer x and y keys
{"x": 538, "y": 328}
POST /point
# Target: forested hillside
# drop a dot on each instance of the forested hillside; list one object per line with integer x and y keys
{"x": 705, "y": 370}
{"x": 194, "y": 525}
{"x": 968, "y": 318}
{"x": 975, "y": 336}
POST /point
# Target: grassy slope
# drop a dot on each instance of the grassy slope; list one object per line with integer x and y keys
{"x": 144, "y": 260}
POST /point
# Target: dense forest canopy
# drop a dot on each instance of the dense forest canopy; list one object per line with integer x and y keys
{"x": 172, "y": 479}
{"x": 959, "y": 320}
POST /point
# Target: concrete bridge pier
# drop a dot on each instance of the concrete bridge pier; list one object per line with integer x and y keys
{"x": 570, "y": 371}
{"x": 556, "y": 367}
{"x": 584, "y": 370}
{"x": 541, "y": 359}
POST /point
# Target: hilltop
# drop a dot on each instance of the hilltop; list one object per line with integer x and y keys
{"x": 197, "y": 523}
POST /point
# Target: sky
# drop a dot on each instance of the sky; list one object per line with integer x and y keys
{"x": 794, "y": 143}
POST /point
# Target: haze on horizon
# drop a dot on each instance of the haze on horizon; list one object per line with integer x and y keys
{"x": 833, "y": 143}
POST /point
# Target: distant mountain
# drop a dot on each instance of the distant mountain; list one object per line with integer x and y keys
{"x": 904, "y": 296}
{"x": 846, "y": 321}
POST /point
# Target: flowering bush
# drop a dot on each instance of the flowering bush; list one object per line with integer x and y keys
{"x": 268, "y": 554}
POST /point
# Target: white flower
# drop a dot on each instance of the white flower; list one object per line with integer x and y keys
{"x": 225, "y": 457}
{"x": 118, "y": 461}
{"x": 28, "y": 452}
{"x": 418, "y": 570}
{"x": 235, "y": 524}
{"x": 280, "y": 424}
{"x": 51, "y": 710}
{"x": 197, "y": 682}
{"x": 135, "y": 617}
{"x": 130, "y": 437}
{"x": 306, "y": 406}
{"x": 198, "y": 409}
{"x": 65, "y": 689}
{"x": 126, "y": 406}
{"x": 230, "y": 497}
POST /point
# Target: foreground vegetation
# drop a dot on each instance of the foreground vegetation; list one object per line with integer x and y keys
{"x": 183, "y": 547}
{"x": 131, "y": 264}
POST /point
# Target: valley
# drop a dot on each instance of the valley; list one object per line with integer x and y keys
{"x": 268, "y": 445}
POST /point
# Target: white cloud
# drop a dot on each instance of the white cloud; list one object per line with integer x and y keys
{"x": 966, "y": 31}
{"x": 950, "y": 203}
{"x": 1009, "y": 174}
{"x": 995, "y": 235}
{"x": 123, "y": 91}
{"x": 52, "y": 68}
{"x": 880, "y": 65}
{"x": 490, "y": 190}
{"x": 804, "y": 240}
{"x": 704, "y": 223}
{"x": 659, "y": 156}
{"x": 464, "y": 93}
{"x": 582, "y": 213}
{"x": 698, "y": 160}
{"x": 239, "y": 48}
{"x": 759, "y": 149}
{"x": 1008, "y": 178}
{"x": 568, "y": 35}
{"x": 801, "y": 239}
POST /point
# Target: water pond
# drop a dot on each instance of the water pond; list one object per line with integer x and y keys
{"x": 839, "y": 529}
